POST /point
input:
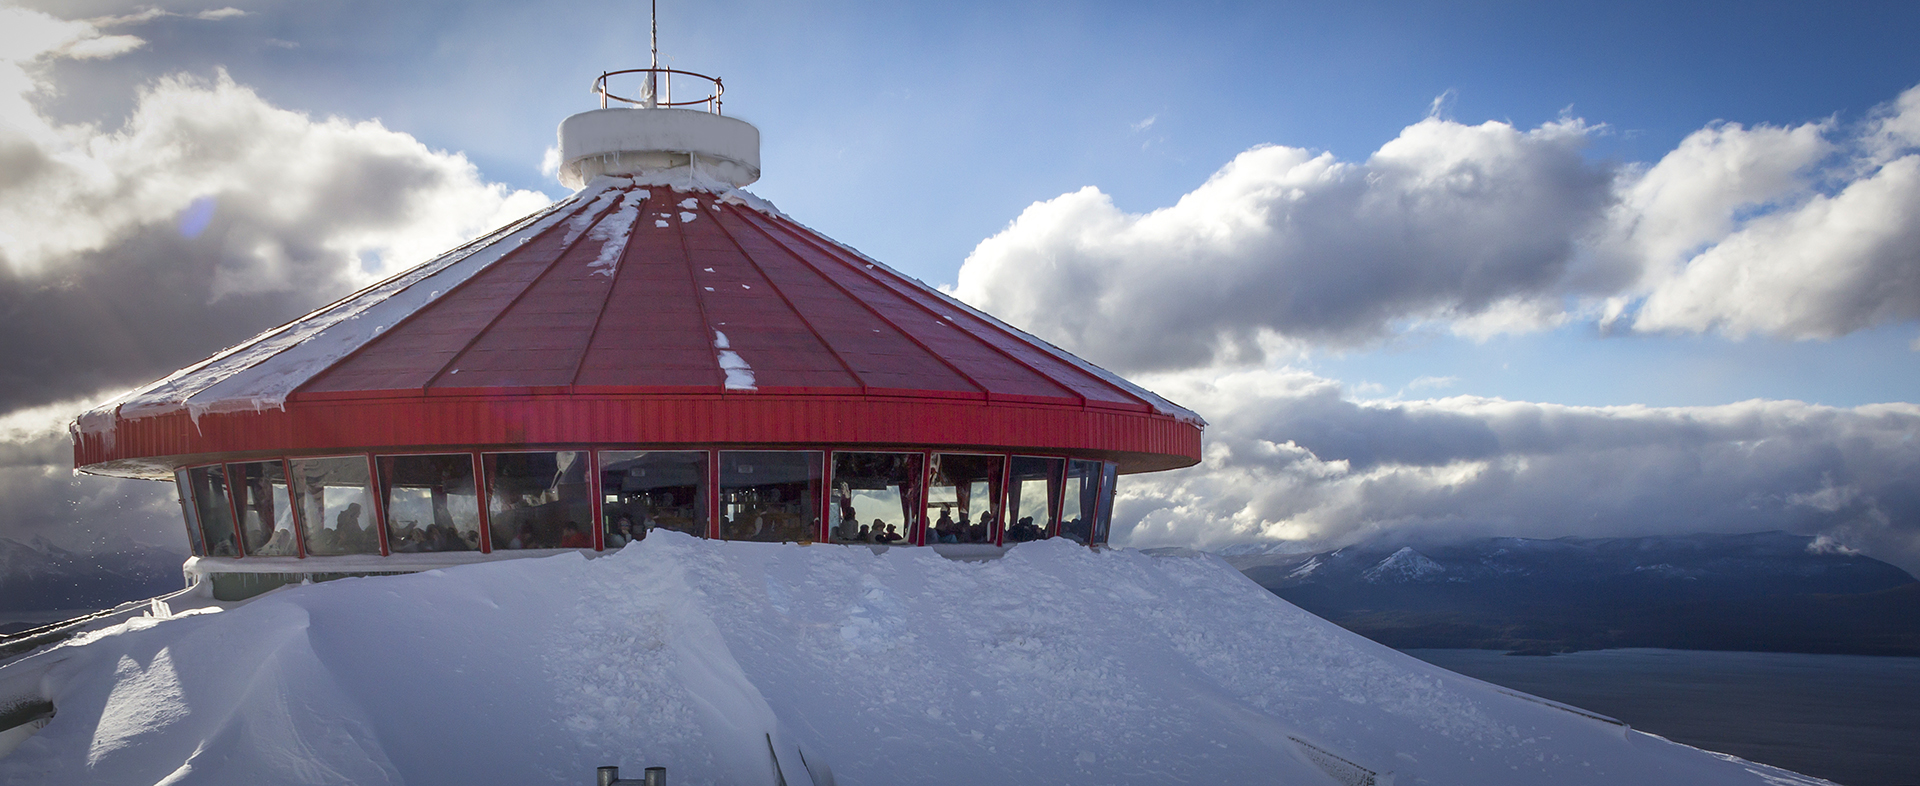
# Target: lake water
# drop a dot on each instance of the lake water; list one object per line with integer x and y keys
{"x": 1852, "y": 719}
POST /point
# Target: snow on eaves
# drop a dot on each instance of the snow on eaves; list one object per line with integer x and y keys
{"x": 262, "y": 372}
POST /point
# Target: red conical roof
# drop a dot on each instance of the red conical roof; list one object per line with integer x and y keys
{"x": 644, "y": 314}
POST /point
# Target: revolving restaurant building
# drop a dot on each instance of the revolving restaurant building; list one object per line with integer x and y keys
{"x": 660, "y": 350}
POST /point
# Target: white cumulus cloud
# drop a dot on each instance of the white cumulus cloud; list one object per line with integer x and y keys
{"x": 1445, "y": 221}
{"x": 1803, "y": 232}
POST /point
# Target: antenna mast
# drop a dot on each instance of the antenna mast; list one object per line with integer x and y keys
{"x": 653, "y": 76}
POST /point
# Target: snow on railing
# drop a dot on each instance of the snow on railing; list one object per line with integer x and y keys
{"x": 656, "y": 89}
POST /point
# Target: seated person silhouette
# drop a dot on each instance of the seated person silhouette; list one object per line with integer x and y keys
{"x": 524, "y": 538}
{"x": 347, "y": 526}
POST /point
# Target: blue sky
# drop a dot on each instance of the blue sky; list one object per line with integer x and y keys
{"x": 917, "y": 131}
{"x": 913, "y": 131}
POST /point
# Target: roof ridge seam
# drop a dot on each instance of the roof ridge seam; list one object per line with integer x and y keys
{"x": 1112, "y": 380}
{"x": 440, "y": 262}
{"x": 707, "y": 329}
{"x": 495, "y": 320}
{"x": 909, "y": 284}
{"x": 580, "y": 206}
{"x": 789, "y": 302}
{"x": 941, "y": 359}
{"x": 613, "y": 282}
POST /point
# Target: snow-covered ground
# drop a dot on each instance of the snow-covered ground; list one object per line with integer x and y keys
{"x": 1052, "y": 665}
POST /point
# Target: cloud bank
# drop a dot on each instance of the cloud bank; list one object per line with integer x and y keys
{"x": 1292, "y": 456}
{"x": 45, "y": 499}
{"x": 208, "y": 215}
{"x": 1801, "y": 232}
{"x": 1798, "y": 232}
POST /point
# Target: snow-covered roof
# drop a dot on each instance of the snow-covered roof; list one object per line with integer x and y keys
{"x": 663, "y": 286}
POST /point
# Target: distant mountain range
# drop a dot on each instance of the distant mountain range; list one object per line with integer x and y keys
{"x": 1768, "y": 591}
{"x": 37, "y": 576}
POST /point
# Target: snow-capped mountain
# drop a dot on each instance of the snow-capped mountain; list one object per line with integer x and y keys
{"x": 37, "y": 575}
{"x": 1765, "y": 591}
{"x": 1403, "y": 566}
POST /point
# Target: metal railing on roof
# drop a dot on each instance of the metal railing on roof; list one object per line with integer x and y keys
{"x": 656, "y": 89}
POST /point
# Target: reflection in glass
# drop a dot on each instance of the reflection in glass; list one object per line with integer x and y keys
{"x": 1082, "y": 500}
{"x": 1103, "y": 521}
{"x": 643, "y": 490}
{"x": 963, "y": 502}
{"x": 538, "y": 500}
{"x": 770, "y": 495}
{"x": 214, "y": 509}
{"x": 194, "y": 540}
{"x": 335, "y": 500}
{"x": 266, "y": 517}
{"x": 1034, "y": 497}
{"x": 874, "y": 497}
{"x": 430, "y": 502}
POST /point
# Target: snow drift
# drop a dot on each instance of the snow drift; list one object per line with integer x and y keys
{"x": 725, "y": 661}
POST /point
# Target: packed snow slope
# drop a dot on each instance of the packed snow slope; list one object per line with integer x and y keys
{"x": 1053, "y": 665}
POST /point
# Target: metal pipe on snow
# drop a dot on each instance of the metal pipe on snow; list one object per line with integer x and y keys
{"x": 610, "y": 776}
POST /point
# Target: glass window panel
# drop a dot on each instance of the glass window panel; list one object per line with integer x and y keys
{"x": 1082, "y": 500}
{"x": 643, "y": 490}
{"x": 213, "y": 508}
{"x": 335, "y": 499}
{"x": 265, "y": 508}
{"x": 1103, "y": 521}
{"x": 875, "y": 497}
{"x": 194, "y": 540}
{"x": 1034, "y": 497}
{"x": 538, "y": 500}
{"x": 770, "y": 495}
{"x": 430, "y": 502}
{"x": 963, "y": 502}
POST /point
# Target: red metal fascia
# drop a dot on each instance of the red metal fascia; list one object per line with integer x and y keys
{"x": 414, "y": 421}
